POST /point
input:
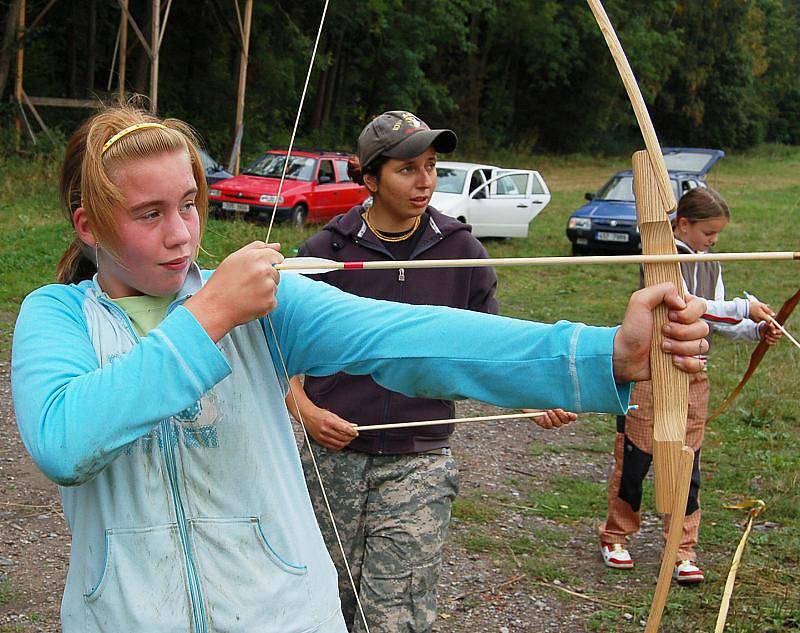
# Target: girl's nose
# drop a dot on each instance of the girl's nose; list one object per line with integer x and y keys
{"x": 177, "y": 232}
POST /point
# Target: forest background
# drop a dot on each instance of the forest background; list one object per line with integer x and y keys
{"x": 526, "y": 75}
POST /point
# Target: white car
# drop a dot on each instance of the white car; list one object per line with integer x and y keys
{"x": 496, "y": 201}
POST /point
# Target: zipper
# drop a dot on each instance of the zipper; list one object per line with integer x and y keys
{"x": 195, "y": 591}
{"x": 167, "y": 442}
{"x": 401, "y": 275}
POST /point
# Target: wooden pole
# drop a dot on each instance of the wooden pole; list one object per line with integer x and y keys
{"x": 123, "y": 51}
{"x": 248, "y": 19}
{"x": 155, "y": 7}
{"x": 20, "y": 68}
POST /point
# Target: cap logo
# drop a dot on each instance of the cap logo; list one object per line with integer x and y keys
{"x": 409, "y": 120}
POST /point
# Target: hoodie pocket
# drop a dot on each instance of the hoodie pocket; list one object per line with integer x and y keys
{"x": 141, "y": 586}
{"x": 249, "y": 584}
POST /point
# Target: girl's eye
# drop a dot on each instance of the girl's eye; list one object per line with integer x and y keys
{"x": 150, "y": 215}
{"x": 189, "y": 206}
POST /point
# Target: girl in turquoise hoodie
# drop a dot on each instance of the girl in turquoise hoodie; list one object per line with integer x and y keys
{"x": 153, "y": 392}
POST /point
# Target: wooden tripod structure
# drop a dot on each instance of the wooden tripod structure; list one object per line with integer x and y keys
{"x": 151, "y": 46}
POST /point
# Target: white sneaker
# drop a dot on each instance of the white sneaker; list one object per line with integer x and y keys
{"x": 616, "y": 556}
{"x": 687, "y": 573}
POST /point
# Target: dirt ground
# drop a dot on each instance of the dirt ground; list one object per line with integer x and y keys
{"x": 477, "y": 591}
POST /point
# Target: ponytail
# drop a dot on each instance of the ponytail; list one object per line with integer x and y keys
{"x": 75, "y": 265}
{"x": 354, "y": 170}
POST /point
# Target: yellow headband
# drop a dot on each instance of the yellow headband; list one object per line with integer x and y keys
{"x": 129, "y": 130}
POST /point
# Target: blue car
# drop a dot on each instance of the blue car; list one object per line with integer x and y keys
{"x": 607, "y": 222}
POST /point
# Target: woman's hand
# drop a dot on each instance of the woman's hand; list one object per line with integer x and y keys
{"x": 684, "y": 333}
{"x": 328, "y": 429}
{"x": 552, "y": 418}
{"x": 241, "y": 289}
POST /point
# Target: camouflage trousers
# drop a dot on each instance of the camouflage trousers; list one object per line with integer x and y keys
{"x": 392, "y": 513}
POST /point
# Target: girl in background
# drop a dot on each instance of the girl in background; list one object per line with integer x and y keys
{"x": 702, "y": 215}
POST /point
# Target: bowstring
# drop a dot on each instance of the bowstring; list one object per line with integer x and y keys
{"x": 319, "y": 479}
{"x": 297, "y": 119}
{"x": 306, "y": 438}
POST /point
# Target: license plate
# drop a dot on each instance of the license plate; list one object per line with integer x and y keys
{"x": 612, "y": 237}
{"x": 236, "y": 206}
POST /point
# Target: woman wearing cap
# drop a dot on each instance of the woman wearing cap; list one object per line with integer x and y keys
{"x": 391, "y": 490}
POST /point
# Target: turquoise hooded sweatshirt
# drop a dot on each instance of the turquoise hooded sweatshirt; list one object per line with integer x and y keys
{"x": 175, "y": 456}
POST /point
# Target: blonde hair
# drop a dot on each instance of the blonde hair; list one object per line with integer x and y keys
{"x": 86, "y": 176}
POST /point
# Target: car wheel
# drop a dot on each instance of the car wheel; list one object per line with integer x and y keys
{"x": 298, "y": 216}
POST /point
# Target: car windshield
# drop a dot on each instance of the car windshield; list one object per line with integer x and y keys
{"x": 271, "y": 166}
{"x": 620, "y": 189}
{"x": 449, "y": 180}
{"x": 209, "y": 164}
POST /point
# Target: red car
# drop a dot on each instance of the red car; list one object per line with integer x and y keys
{"x": 315, "y": 189}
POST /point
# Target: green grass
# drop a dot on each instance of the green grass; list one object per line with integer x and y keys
{"x": 750, "y": 451}
{"x": 473, "y": 510}
{"x": 8, "y": 593}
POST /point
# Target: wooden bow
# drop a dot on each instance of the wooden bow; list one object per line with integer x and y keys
{"x": 654, "y": 201}
{"x": 758, "y": 354}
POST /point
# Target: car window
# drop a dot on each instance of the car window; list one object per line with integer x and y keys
{"x": 697, "y": 161}
{"x": 619, "y": 188}
{"x": 476, "y": 180}
{"x": 449, "y": 180}
{"x": 512, "y": 185}
{"x": 271, "y": 166}
{"x": 538, "y": 186}
{"x": 341, "y": 171}
{"x": 326, "y": 173}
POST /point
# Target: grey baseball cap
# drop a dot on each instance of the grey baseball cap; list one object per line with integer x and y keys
{"x": 400, "y": 134}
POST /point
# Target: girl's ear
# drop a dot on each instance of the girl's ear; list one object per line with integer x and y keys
{"x": 82, "y": 227}
{"x": 682, "y": 224}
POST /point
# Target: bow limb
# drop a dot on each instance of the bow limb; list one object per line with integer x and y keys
{"x": 654, "y": 200}
{"x": 758, "y": 354}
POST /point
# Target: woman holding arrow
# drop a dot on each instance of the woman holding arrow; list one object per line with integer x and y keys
{"x": 391, "y": 490}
